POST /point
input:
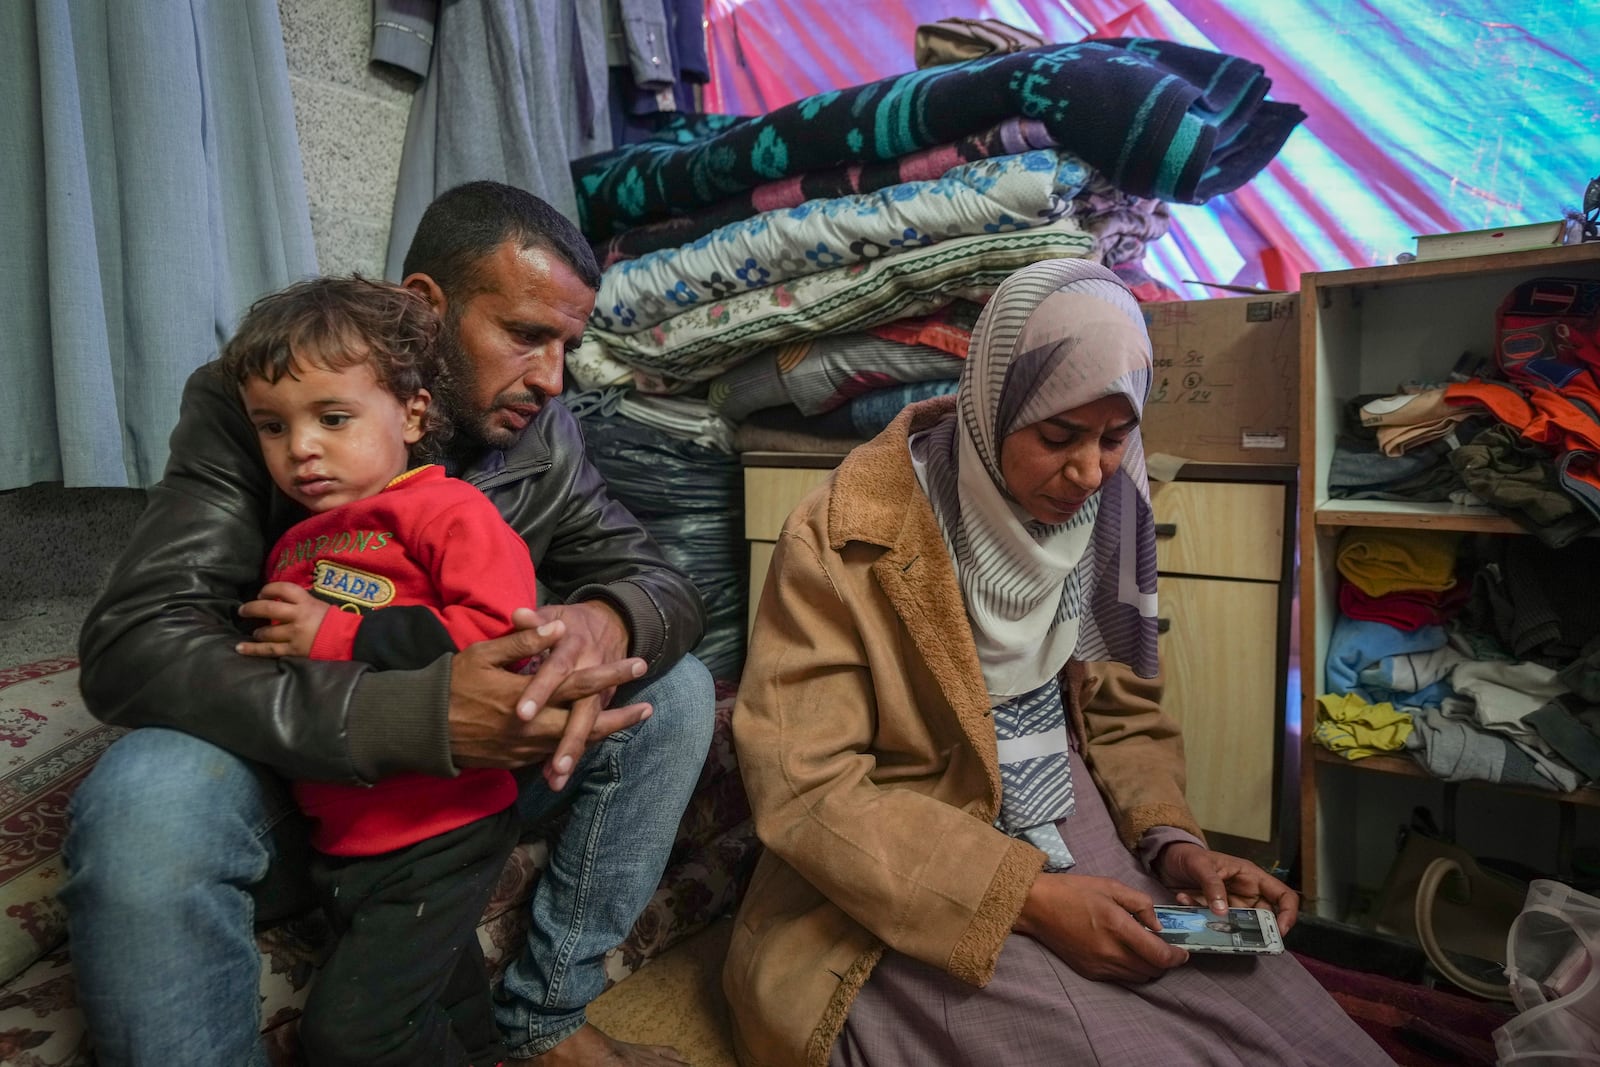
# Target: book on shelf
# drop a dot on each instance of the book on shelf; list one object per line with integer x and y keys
{"x": 1495, "y": 239}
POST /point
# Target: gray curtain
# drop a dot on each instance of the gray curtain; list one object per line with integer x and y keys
{"x": 150, "y": 189}
{"x": 513, "y": 89}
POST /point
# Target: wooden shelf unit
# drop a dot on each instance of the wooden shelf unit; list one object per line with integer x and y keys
{"x": 1366, "y": 331}
{"x": 1396, "y": 515}
{"x": 1407, "y": 767}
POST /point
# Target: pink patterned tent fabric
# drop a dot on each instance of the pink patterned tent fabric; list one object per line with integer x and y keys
{"x": 1424, "y": 116}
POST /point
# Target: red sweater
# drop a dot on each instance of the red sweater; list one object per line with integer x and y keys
{"x": 427, "y": 541}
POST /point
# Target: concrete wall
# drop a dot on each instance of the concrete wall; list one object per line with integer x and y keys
{"x": 352, "y": 122}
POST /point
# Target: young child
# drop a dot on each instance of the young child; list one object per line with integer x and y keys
{"x": 396, "y": 565}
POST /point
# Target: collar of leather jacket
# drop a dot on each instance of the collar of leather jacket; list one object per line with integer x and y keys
{"x": 530, "y": 454}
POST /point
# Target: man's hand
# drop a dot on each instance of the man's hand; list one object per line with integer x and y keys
{"x": 1094, "y": 924}
{"x": 592, "y": 634}
{"x": 293, "y": 616}
{"x": 488, "y": 724}
{"x": 1201, "y": 877}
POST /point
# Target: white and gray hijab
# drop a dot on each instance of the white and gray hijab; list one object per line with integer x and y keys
{"x": 1055, "y": 336}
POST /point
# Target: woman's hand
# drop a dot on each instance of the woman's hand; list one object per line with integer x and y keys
{"x": 1094, "y": 924}
{"x": 293, "y": 617}
{"x": 1201, "y": 877}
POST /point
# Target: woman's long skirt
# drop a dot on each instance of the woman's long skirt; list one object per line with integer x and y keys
{"x": 1249, "y": 1011}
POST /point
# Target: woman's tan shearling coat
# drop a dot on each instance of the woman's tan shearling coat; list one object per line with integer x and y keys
{"x": 865, "y": 742}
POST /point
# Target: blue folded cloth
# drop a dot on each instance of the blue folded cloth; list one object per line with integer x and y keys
{"x": 1359, "y": 644}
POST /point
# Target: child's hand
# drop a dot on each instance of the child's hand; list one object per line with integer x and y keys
{"x": 293, "y": 616}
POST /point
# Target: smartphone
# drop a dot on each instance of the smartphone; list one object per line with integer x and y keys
{"x": 1246, "y": 931}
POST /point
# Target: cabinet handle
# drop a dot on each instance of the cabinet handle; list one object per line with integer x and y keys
{"x": 1166, "y": 529}
{"x": 1163, "y": 624}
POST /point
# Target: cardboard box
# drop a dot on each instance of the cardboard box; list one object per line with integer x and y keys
{"x": 1226, "y": 387}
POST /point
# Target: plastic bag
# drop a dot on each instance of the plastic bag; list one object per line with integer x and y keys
{"x": 691, "y": 500}
{"x": 1553, "y": 963}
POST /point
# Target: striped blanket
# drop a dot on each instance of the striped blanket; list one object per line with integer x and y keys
{"x": 1159, "y": 119}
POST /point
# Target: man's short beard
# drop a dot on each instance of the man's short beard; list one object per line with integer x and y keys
{"x": 456, "y": 389}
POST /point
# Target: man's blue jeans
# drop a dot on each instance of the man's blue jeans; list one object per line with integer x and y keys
{"x": 177, "y": 848}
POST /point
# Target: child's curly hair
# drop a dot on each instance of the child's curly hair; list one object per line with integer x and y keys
{"x": 337, "y": 323}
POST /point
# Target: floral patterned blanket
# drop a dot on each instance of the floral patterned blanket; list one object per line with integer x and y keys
{"x": 990, "y": 196}
{"x": 709, "y": 336}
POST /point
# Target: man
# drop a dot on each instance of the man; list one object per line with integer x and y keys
{"x": 184, "y": 834}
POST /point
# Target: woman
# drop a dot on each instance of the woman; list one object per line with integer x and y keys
{"x": 949, "y": 729}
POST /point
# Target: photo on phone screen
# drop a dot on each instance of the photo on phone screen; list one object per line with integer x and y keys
{"x": 1245, "y": 930}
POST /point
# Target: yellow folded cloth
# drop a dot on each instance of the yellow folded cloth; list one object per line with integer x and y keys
{"x": 1387, "y": 561}
{"x": 1354, "y": 729}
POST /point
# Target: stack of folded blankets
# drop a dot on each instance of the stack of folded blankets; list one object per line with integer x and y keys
{"x": 817, "y": 268}
{"x": 1481, "y": 659}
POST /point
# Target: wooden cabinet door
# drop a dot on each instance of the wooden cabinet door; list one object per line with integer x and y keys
{"x": 1220, "y": 529}
{"x": 1219, "y": 657}
{"x": 771, "y": 493}
{"x": 760, "y": 561}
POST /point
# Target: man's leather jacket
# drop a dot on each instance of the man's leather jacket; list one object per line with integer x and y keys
{"x": 158, "y": 646}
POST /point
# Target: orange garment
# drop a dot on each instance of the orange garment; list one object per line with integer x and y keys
{"x": 1565, "y": 422}
{"x": 1568, "y": 421}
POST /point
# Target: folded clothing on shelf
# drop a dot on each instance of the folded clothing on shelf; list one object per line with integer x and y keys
{"x": 1380, "y": 561}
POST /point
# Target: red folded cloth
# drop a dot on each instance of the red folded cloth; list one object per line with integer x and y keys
{"x": 939, "y": 330}
{"x": 1404, "y": 609}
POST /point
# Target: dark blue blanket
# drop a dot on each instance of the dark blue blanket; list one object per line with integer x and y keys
{"x": 1159, "y": 119}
